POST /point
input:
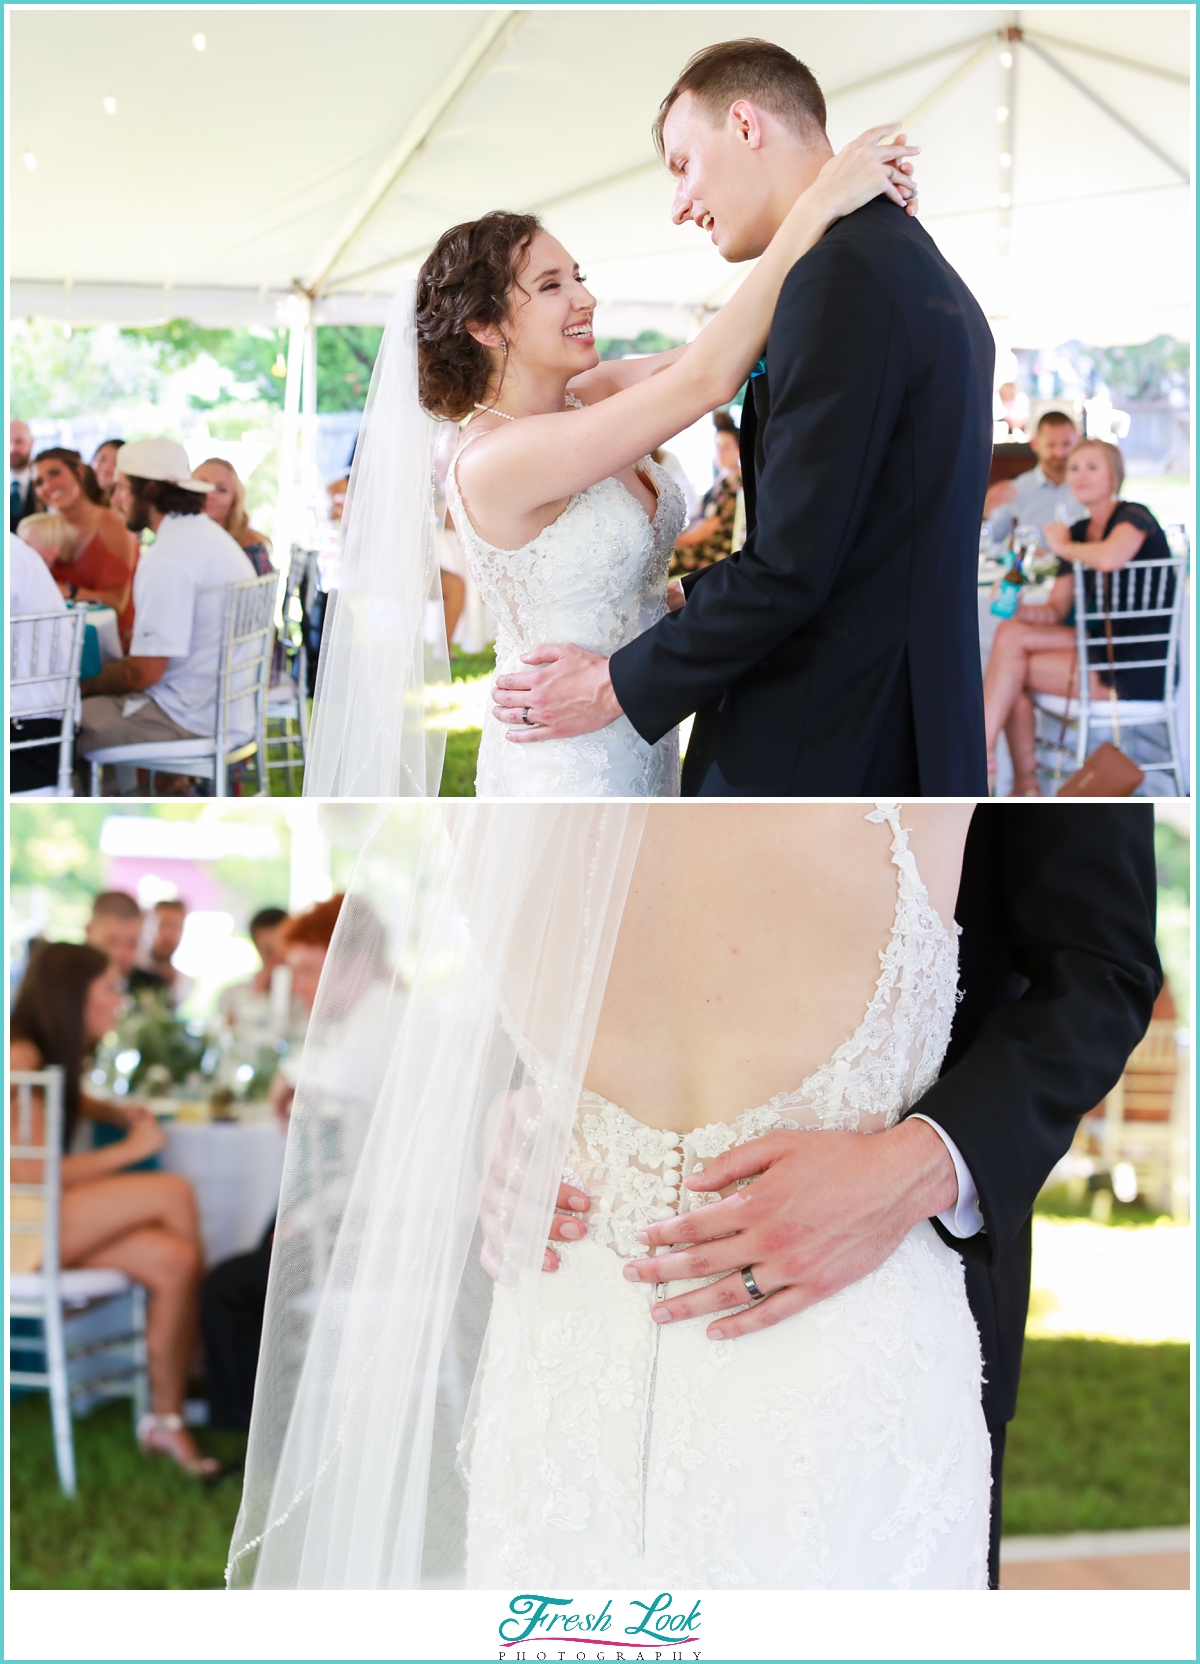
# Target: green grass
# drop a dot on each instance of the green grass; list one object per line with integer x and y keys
{"x": 1100, "y": 1439}
{"x": 1100, "y": 1443}
{"x": 458, "y": 772}
{"x": 462, "y": 745}
{"x": 136, "y": 1523}
{"x": 1058, "y": 1202}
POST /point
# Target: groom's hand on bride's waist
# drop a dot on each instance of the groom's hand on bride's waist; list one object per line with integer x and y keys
{"x": 823, "y": 1209}
{"x": 562, "y": 692}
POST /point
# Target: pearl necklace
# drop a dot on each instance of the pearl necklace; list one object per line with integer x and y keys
{"x": 503, "y": 415}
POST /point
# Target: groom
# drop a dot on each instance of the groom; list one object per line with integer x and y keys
{"x": 837, "y": 653}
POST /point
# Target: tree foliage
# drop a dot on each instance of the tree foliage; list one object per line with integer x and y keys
{"x": 256, "y": 360}
{"x": 649, "y": 341}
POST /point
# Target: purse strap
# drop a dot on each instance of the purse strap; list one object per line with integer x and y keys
{"x": 1112, "y": 691}
{"x": 1112, "y": 659}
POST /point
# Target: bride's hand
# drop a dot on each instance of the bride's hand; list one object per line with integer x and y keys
{"x": 676, "y": 598}
{"x": 863, "y": 170}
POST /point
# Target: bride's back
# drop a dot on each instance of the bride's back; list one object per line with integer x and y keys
{"x": 749, "y": 949}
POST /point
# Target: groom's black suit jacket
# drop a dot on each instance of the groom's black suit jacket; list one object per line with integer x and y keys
{"x": 837, "y": 653}
{"x": 1059, "y": 974}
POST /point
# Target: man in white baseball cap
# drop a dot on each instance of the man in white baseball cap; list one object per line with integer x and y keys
{"x": 166, "y": 686}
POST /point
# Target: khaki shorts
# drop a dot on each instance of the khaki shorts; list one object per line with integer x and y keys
{"x": 104, "y": 723}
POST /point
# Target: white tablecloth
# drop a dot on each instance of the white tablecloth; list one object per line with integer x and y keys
{"x": 235, "y": 1172}
{"x": 104, "y": 621}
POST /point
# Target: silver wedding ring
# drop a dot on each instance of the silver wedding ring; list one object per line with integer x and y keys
{"x": 525, "y": 718}
{"x": 752, "y": 1288}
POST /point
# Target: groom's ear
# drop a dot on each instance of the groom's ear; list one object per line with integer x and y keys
{"x": 746, "y": 124}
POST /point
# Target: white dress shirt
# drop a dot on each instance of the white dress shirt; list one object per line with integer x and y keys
{"x": 1038, "y": 502}
{"x": 31, "y": 590}
{"x": 178, "y": 594}
{"x": 965, "y": 1218}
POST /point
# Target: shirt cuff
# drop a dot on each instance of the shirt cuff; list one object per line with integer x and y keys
{"x": 965, "y": 1218}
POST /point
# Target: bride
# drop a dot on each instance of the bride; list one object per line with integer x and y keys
{"x": 581, "y": 1016}
{"x": 566, "y": 521}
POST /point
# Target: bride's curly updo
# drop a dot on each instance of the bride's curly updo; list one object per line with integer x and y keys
{"x": 467, "y": 279}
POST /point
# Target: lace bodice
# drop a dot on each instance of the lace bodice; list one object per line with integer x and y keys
{"x": 596, "y": 576}
{"x": 842, "y": 1447}
{"x": 635, "y": 1172}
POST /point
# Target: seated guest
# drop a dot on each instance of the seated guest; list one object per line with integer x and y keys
{"x": 31, "y": 591}
{"x": 234, "y": 1294}
{"x": 1040, "y": 494}
{"x": 54, "y": 538}
{"x": 104, "y": 466}
{"x": 115, "y": 929}
{"x": 166, "y": 687}
{"x": 266, "y": 932}
{"x": 169, "y": 918}
{"x": 143, "y": 1224}
{"x": 102, "y": 564}
{"x": 1011, "y": 407}
{"x": 1035, "y": 652}
{"x": 226, "y": 504}
{"x": 711, "y": 538}
{"x": 22, "y": 499}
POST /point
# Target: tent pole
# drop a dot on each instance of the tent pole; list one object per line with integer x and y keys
{"x": 947, "y": 86}
{"x": 309, "y": 483}
{"x": 1113, "y": 115}
{"x": 1106, "y": 57}
{"x": 296, "y": 313}
{"x": 498, "y": 30}
{"x": 893, "y": 70}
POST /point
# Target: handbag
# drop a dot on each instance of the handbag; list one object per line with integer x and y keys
{"x": 1107, "y": 771}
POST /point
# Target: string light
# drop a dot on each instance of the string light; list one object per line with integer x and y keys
{"x": 1001, "y": 112}
{"x": 1006, "y": 160}
{"x": 1005, "y": 199}
{"x": 30, "y": 160}
{"x": 199, "y": 42}
{"x": 1006, "y": 59}
{"x": 110, "y": 104}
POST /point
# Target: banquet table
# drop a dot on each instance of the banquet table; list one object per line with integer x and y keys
{"x": 235, "y": 1169}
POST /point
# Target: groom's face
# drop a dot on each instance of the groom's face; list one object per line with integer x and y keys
{"x": 721, "y": 184}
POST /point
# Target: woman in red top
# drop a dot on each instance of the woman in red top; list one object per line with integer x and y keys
{"x": 107, "y": 553}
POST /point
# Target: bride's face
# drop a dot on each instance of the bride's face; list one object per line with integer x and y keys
{"x": 549, "y": 325}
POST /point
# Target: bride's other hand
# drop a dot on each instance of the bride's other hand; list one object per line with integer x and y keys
{"x": 863, "y": 170}
{"x": 676, "y": 598}
{"x": 824, "y": 1210}
{"x": 567, "y": 1225}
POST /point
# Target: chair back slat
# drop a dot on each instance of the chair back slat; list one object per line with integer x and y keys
{"x": 53, "y": 640}
{"x": 244, "y": 668}
{"x": 24, "y": 1083}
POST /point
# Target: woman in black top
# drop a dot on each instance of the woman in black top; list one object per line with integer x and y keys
{"x": 1035, "y": 651}
{"x": 1115, "y": 535}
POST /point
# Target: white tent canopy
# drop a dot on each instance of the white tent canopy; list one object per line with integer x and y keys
{"x": 320, "y": 152}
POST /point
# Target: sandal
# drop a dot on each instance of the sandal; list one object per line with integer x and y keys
{"x": 159, "y": 1436}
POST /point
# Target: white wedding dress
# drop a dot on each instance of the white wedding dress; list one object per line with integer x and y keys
{"x": 597, "y": 577}
{"x": 845, "y": 1447}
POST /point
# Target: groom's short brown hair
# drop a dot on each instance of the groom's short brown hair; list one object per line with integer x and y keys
{"x": 717, "y": 76}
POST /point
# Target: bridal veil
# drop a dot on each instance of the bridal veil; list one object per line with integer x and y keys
{"x": 423, "y": 1141}
{"x": 375, "y": 730}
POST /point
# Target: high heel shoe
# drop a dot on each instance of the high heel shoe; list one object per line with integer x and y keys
{"x": 159, "y": 1436}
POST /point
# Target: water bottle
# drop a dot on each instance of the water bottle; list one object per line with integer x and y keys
{"x": 1008, "y": 597}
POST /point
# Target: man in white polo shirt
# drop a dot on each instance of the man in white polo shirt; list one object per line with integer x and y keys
{"x": 166, "y": 687}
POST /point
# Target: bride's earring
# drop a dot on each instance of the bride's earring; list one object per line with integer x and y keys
{"x": 503, "y": 347}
